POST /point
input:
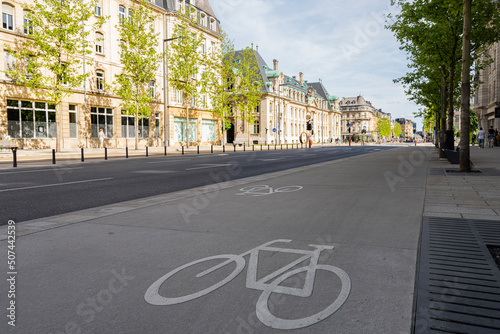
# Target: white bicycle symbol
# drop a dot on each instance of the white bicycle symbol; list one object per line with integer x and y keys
{"x": 152, "y": 295}
{"x": 263, "y": 190}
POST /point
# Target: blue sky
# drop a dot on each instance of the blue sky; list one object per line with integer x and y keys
{"x": 345, "y": 45}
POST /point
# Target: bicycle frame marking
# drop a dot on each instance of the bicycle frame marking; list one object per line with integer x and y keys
{"x": 264, "y": 190}
{"x": 275, "y": 278}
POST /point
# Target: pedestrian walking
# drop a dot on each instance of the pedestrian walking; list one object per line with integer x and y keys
{"x": 480, "y": 138}
{"x": 473, "y": 139}
{"x": 491, "y": 137}
{"x": 101, "y": 138}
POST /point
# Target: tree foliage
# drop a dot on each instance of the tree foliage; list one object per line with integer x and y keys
{"x": 234, "y": 82}
{"x": 397, "y": 130}
{"x": 384, "y": 127}
{"x": 187, "y": 63}
{"x": 140, "y": 59}
{"x": 50, "y": 57}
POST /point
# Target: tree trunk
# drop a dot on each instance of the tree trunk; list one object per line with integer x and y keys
{"x": 451, "y": 111}
{"x": 58, "y": 127}
{"x": 442, "y": 119}
{"x": 187, "y": 125}
{"x": 465, "y": 163}
{"x": 136, "y": 117}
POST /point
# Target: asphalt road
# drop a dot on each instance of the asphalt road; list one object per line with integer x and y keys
{"x": 30, "y": 193}
{"x": 352, "y": 224}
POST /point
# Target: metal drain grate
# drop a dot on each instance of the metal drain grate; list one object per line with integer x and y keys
{"x": 458, "y": 282}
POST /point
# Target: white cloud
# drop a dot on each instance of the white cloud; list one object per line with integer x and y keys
{"x": 344, "y": 45}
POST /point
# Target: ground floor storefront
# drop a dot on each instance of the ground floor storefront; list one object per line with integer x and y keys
{"x": 33, "y": 124}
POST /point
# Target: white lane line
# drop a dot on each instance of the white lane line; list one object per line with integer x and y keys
{"x": 54, "y": 169}
{"x": 165, "y": 161}
{"x": 56, "y": 184}
{"x": 211, "y": 166}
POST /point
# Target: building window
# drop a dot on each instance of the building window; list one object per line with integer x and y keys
{"x": 208, "y": 130}
{"x": 99, "y": 80}
{"x": 7, "y": 16}
{"x": 28, "y": 119}
{"x": 128, "y": 126}
{"x": 10, "y": 62}
{"x": 99, "y": 42}
{"x": 152, "y": 89}
{"x": 256, "y": 127}
{"x": 98, "y": 8}
{"x": 121, "y": 13}
{"x": 28, "y": 23}
{"x": 178, "y": 96}
{"x": 101, "y": 118}
{"x": 180, "y": 129}
{"x": 212, "y": 24}
{"x": 157, "y": 125}
{"x": 73, "y": 129}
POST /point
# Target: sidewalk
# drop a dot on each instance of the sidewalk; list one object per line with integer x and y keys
{"x": 461, "y": 195}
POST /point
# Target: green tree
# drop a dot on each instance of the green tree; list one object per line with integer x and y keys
{"x": 430, "y": 31}
{"x": 397, "y": 130}
{"x": 140, "y": 59}
{"x": 384, "y": 127}
{"x": 186, "y": 64}
{"x": 234, "y": 83}
{"x": 50, "y": 58}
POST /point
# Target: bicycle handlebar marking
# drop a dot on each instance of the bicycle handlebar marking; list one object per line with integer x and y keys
{"x": 268, "y": 284}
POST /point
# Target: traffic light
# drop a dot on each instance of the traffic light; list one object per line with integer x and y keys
{"x": 309, "y": 126}
{"x": 363, "y": 131}
{"x": 414, "y": 131}
{"x": 349, "y": 129}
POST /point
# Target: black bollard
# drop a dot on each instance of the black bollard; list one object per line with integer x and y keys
{"x": 105, "y": 153}
{"x": 165, "y": 147}
{"x": 182, "y": 150}
{"x": 223, "y": 148}
{"x": 14, "y": 157}
{"x": 126, "y": 152}
{"x": 147, "y": 153}
{"x": 211, "y": 148}
{"x": 83, "y": 158}
{"x": 53, "y": 156}
{"x": 198, "y": 150}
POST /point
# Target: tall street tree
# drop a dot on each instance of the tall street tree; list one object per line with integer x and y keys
{"x": 234, "y": 85}
{"x": 186, "y": 64}
{"x": 49, "y": 58}
{"x": 140, "y": 59}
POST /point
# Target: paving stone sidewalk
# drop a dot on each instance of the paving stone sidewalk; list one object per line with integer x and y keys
{"x": 465, "y": 195}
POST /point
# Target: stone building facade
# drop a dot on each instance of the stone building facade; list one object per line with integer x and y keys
{"x": 359, "y": 114}
{"x": 31, "y": 121}
{"x": 288, "y": 104}
{"x": 487, "y": 97}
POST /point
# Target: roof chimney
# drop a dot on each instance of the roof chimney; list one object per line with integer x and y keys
{"x": 301, "y": 76}
{"x": 294, "y": 77}
{"x": 275, "y": 62}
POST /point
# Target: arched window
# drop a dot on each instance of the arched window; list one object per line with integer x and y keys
{"x": 7, "y": 16}
{"x": 99, "y": 79}
{"x": 99, "y": 43}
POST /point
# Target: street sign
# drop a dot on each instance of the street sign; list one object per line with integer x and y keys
{"x": 274, "y": 129}
{"x": 364, "y": 126}
{"x": 308, "y": 117}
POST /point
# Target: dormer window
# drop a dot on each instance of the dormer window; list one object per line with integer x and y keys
{"x": 212, "y": 24}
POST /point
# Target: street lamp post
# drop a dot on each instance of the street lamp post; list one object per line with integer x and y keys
{"x": 166, "y": 115}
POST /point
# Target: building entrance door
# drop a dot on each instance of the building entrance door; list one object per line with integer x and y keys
{"x": 230, "y": 134}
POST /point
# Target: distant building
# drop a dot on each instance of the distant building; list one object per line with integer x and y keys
{"x": 407, "y": 127}
{"x": 358, "y": 115}
{"x": 288, "y": 104}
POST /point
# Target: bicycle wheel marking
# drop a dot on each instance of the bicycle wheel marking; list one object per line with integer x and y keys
{"x": 153, "y": 297}
{"x": 270, "y": 320}
{"x": 264, "y": 190}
